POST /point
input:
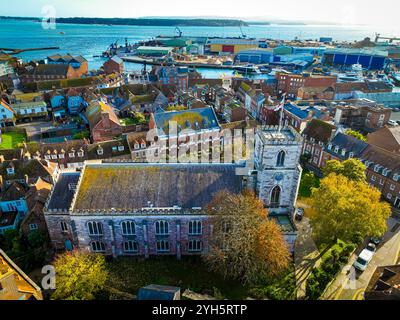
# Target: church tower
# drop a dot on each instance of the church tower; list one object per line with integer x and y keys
{"x": 277, "y": 155}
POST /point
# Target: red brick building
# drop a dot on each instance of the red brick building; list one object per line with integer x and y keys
{"x": 291, "y": 83}
{"x": 104, "y": 123}
{"x": 316, "y": 136}
{"x": 383, "y": 172}
{"x": 114, "y": 65}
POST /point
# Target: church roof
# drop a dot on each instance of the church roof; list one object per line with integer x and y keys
{"x": 135, "y": 186}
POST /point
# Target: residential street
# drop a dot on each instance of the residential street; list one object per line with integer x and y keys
{"x": 351, "y": 284}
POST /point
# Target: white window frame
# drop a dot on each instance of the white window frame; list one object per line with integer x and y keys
{"x": 195, "y": 245}
{"x": 33, "y": 226}
{"x": 95, "y": 228}
{"x": 195, "y": 228}
{"x": 163, "y": 246}
{"x": 128, "y": 228}
{"x": 161, "y": 228}
{"x": 130, "y": 246}
{"x": 98, "y": 246}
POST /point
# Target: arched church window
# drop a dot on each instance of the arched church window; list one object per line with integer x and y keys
{"x": 280, "y": 161}
{"x": 275, "y": 197}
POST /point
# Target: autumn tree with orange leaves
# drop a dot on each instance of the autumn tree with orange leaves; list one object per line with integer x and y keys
{"x": 245, "y": 244}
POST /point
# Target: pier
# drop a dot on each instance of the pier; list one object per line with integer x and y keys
{"x": 16, "y": 51}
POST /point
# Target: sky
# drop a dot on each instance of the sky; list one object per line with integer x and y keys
{"x": 377, "y": 13}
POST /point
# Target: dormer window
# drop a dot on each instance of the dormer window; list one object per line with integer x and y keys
{"x": 137, "y": 146}
{"x": 100, "y": 151}
{"x": 351, "y": 154}
{"x": 396, "y": 177}
{"x": 376, "y": 168}
{"x": 121, "y": 148}
{"x": 80, "y": 154}
{"x": 143, "y": 145}
{"x": 336, "y": 149}
{"x": 329, "y": 146}
{"x": 343, "y": 152}
{"x": 71, "y": 154}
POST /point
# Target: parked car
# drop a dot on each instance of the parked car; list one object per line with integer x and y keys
{"x": 363, "y": 260}
{"x": 299, "y": 214}
{"x": 371, "y": 247}
{"x": 393, "y": 123}
{"x": 376, "y": 241}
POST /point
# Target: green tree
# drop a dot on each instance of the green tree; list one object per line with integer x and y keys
{"x": 356, "y": 135}
{"x": 36, "y": 238}
{"x": 79, "y": 275}
{"x": 352, "y": 169}
{"x": 245, "y": 244}
{"x": 342, "y": 208}
{"x": 307, "y": 183}
{"x": 139, "y": 117}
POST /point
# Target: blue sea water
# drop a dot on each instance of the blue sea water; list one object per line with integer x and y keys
{"x": 91, "y": 40}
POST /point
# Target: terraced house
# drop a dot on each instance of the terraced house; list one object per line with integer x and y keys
{"x": 160, "y": 209}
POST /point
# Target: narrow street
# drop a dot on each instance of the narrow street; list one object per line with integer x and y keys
{"x": 351, "y": 284}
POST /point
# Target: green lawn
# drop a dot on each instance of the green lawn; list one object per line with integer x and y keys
{"x": 10, "y": 140}
{"x": 129, "y": 274}
{"x": 307, "y": 182}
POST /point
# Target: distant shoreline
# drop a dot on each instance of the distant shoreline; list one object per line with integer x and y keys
{"x": 141, "y": 21}
{"x": 170, "y": 22}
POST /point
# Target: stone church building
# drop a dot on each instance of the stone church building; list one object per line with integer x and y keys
{"x": 159, "y": 209}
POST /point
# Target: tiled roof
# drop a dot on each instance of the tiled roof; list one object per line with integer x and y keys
{"x": 349, "y": 143}
{"x": 319, "y": 130}
{"x": 134, "y": 186}
{"x": 64, "y": 190}
{"x": 15, "y": 191}
{"x": 385, "y": 159}
{"x": 94, "y": 111}
{"x": 109, "y": 149}
{"x": 51, "y": 69}
{"x": 33, "y": 168}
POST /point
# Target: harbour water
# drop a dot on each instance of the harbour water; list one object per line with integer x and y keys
{"x": 91, "y": 40}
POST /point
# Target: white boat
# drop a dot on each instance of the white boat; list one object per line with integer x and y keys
{"x": 248, "y": 69}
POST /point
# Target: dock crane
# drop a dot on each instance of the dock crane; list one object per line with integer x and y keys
{"x": 378, "y": 36}
{"x": 241, "y": 30}
{"x": 178, "y": 32}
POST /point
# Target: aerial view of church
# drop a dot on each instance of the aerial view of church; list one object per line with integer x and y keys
{"x": 222, "y": 156}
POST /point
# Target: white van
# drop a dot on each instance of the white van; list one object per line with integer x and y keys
{"x": 363, "y": 260}
{"x": 393, "y": 123}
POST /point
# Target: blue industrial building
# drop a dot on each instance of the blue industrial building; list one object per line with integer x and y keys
{"x": 255, "y": 56}
{"x": 369, "y": 59}
{"x": 315, "y": 51}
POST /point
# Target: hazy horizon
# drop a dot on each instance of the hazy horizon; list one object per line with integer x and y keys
{"x": 344, "y": 12}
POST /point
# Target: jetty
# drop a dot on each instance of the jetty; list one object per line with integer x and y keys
{"x": 16, "y": 51}
{"x": 176, "y": 63}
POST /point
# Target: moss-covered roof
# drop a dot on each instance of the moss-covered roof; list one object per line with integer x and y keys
{"x": 134, "y": 186}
